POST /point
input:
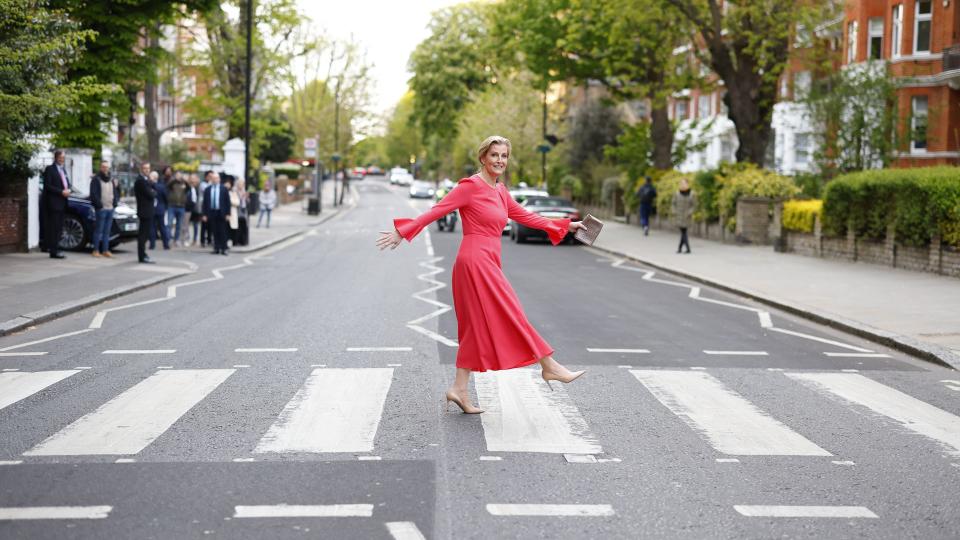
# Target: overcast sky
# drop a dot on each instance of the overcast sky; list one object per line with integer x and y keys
{"x": 388, "y": 29}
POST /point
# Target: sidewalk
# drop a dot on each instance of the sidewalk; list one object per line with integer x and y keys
{"x": 36, "y": 288}
{"x": 911, "y": 311}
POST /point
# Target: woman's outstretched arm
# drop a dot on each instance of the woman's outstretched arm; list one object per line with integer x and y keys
{"x": 556, "y": 228}
{"x": 408, "y": 228}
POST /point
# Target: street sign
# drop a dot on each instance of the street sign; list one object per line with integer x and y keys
{"x": 310, "y": 144}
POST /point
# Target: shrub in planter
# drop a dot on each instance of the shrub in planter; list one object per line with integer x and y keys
{"x": 751, "y": 181}
{"x": 801, "y": 215}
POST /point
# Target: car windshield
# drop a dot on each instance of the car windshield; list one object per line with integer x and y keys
{"x": 547, "y": 201}
{"x": 422, "y": 185}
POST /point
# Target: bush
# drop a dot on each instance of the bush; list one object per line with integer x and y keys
{"x": 918, "y": 202}
{"x": 801, "y": 215}
{"x": 573, "y": 184}
{"x": 750, "y": 181}
{"x": 667, "y": 185}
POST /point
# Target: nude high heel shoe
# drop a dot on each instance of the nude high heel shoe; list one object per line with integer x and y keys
{"x": 551, "y": 376}
{"x": 467, "y": 409}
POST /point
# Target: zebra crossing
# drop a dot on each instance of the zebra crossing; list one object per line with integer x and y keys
{"x": 340, "y": 410}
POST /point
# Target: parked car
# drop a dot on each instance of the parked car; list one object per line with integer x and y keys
{"x": 520, "y": 194}
{"x": 399, "y": 175}
{"x": 548, "y": 207}
{"x": 374, "y": 170}
{"x": 80, "y": 220}
{"x": 421, "y": 190}
{"x": 356, "y": 173}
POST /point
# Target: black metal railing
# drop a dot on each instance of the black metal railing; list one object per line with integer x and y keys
{"x": 951, "y": 58}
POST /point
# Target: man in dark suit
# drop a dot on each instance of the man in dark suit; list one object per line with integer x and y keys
{"x": 146, "y": 195}
{"x": 216, "y": 208}
{"x": 56, "y": 191}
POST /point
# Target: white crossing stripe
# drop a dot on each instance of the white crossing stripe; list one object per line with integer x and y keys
{"x": 730, "y": 423}
{"x": 856, "y": 355}
{"x": 131, "y": 421}
{"x": 622, "y": 351}
{"x": 915, "y": 415}
{"x": 550, "y": 509}
{"x": 523, "y": 415}
{"x": 303, "y": 510}
{"x": 404, "y": 530}
{"x": 336, "y": 410}
{"x": 737, "y": 353}
{"x": 14, "y": 354}
{"x": 17, "y": 385}
{"x": 804, "y": 511}
{"x": 54, "y": 512}
{"x": 139, "y": 351}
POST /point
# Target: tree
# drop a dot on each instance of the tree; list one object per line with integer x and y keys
{"x": 746, "y": 42}
{"x": 403, "y": 138}
{"x": 38, "y": 46}
{"x": 279, "y": 136}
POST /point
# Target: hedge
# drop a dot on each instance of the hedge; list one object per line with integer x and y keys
{"x": 801, "y": 215}
{"x": 918, "y": 202}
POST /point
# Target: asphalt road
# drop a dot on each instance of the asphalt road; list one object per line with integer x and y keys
{"x": 296, "y": 393}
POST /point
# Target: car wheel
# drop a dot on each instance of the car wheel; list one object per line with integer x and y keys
{"x": 73, "y": 237}
{"x": 519, "y": 237}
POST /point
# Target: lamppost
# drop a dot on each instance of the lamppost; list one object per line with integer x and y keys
{"x": 336, "y": 169}
{"x": 246, "y": 118}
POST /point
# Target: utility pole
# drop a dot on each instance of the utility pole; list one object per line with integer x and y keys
{"x": 246, "y": 120}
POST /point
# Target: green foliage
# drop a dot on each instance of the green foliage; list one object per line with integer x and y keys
{"x": 594, "y": 126}
{"x": 918, "y": 202}
{"x": 38, "y": 45}
{"x": 751, "y": 181}
{"x": 633, "y": 150}
{"x": 278, "y": 136}
{"x": 810, "y": 184}
{"x": 572, "y": 184}
{"x": 801, "y": 215}
{"x": 667, "y": 185}
{"x": 403, "y": 138}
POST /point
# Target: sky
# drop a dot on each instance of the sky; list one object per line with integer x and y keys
{"x": 388, "y": 29}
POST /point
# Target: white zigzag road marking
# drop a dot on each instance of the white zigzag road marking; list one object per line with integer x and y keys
{"x": 436, "y": 285}
{"x": 766, "y": 321}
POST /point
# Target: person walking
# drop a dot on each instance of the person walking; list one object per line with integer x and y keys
{"x": 493, "y": 331}
{"x": 53, "y": 199}
{"x": 177, "y": 199}
{"x": 159, "y": 213}
{"x": 682, "y": 207}
{"x": 647, "y": 194}
{"x": 104, "y": 195}
{"x": 146, "y": 197}
{"x": 243, "y": 197}
{"x": 268, "y": 200}
{"x": 216, "y": 206}
{"x": 194, "y": 207}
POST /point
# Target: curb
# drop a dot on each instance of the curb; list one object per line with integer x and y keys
{"x": 925, "y": 351}
{"x": 48, "y": 314}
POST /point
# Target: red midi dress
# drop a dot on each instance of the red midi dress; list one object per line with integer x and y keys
{"x": 492, "y": 329}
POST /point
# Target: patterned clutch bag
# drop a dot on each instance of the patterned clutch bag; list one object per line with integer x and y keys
{"x": 592, "y": 228}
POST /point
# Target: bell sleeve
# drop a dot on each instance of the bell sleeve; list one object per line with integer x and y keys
{"x": 458, "y": 197}
{"x": 556, "y": 229}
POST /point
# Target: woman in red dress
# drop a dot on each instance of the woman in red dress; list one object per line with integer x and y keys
{"x": 492, "y": 330}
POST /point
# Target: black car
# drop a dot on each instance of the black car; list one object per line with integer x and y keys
{"x": 548, "y": 207}
{"x": 80, "y": 219}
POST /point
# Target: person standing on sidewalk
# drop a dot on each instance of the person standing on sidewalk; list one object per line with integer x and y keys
{"x": 193, "y": 210}
{"x": 682, "y": 207}
{"x": 205, "y": 231}
{"x": 243, "y": 227}
{"x": 56, "y": 191}
{"x": 216, "y": 207}
{"x": 104, "y": 195}
{"x": 160, "y": 213}
{"x": 177, "y": 198}
{"x": 146, "y": 198}
{"x": 647, "y": 194}
{"x": 268, "y": 200}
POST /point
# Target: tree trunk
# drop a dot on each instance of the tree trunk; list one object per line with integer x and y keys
{"x": 750, "y": 102}
{"x": 661, "y": 133}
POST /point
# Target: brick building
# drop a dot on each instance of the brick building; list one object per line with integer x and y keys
{"x": 919, "y": 38}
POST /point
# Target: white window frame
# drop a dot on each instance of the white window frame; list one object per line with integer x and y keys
{"x": 915, "y": 114}
{"x": 704, "y": 106}
{"x": 917, "y": 19}
{"x": 852, "y": 42}
{"x": 872, "y": 33}
{"x": 802, "y": 81}
{"x": 896, "y": 30}
{"x": 801, "y": 149}
{"x": 686, "y": 109}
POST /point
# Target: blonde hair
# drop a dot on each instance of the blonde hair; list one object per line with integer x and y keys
{"x": 488, "y": 142}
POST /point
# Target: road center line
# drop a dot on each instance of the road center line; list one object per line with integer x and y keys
{"x": 379, "y": 349}
{"x": 54, "y": 512}
{"x": 856, "y": 355}
{"x": 622, "y": 351}
{"x": 736, "y": 353}
{"x": 10, "y": 354}
{"x": 265, "y": 349}
{"x": 592, "y": 510}
{"x": 139, "y": 351}
{"x": 805, "y": 511}
{"x": 303, "y": 510}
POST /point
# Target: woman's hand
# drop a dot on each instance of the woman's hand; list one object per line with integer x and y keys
{"x": 389, "y": 239}
{"x": 574, "y": 225}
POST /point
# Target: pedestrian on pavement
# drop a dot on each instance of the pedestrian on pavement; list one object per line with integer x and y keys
{"x": 160, "y": 213}
{"x": 243, "y": 227}
{"x": 233, "y": 221}
{"x": 146, "y": 199}
{"x": 206, "y": 234}
{"x": 216, "y": 207}
{"x": 193, "y": 208}
{"x": 177, "y": 198}
{"x": 268, "y": 200}
{"x": 682, "y": 207}
{"x": 104, "y": 195}
{"x": 647, "y": 195}
{"x": 493, "y": 331}
{"x": 56, "y": 190}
